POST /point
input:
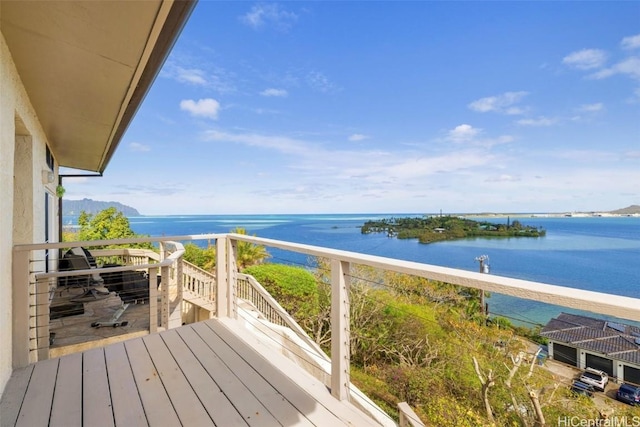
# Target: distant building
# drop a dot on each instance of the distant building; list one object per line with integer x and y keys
{"x": 583, "y": 341}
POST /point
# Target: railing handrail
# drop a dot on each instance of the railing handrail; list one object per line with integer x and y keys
{"x": 166, "y": 263}
{"x": 62, "y": 245}
{"x": 597, "y": 302}
{"x": 284, "y": 315}
{"x": 408, "y": 418}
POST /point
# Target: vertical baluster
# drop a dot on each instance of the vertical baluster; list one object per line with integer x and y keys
{"x": 339, "y": 329}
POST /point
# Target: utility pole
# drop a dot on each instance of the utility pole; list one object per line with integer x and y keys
{"x": 483, "y": 260}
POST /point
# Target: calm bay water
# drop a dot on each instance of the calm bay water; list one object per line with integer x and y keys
{"x": 599, "y": 254}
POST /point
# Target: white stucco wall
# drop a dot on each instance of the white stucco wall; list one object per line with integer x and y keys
{"x": 22, "y": 214}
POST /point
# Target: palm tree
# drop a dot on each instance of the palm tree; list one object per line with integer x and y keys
{"x": 248, "y": 254}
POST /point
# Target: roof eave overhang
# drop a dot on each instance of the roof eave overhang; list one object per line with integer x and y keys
{"x": 158, "y": 48}
{"x": 86, "y": 68}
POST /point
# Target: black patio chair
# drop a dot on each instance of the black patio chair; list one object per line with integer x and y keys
{"x": 81, "y": 259}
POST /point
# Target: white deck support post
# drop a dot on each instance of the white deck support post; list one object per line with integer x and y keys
{"x": 20, "y": 308}
{"x": 153, "y": 300}
{"x": 42, "y": 318}
{"x": 164, "y": 297}
{"x": 178, "y": 277}
{"x": 340, "y": 321}
{"x": 222, "y": 306}
{"x": 232, "y": 278}
{"x": 163, "y": 251}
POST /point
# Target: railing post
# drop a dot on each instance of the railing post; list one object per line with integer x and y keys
{"x": 153, "y": 300}
{"x": 20, "y": 309}
{"x": 232, "y": 278}
{"x": 408, "y": 417}
{"x": 179, "y": 283}
{"x": 42, "y": 318}
{"x": 163, "y": 251}
{"x": 221, "y": 277}
{"x": 164, "y": 297}
{"x": 340, "y": 338}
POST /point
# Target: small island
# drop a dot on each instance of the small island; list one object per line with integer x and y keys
{"x": 439, "y": 228}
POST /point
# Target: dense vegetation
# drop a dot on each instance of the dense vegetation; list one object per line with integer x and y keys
{"x": 247, "y": 254}
{"x": 438, "y": 228}
{"x": 108, "y": 224}
{"x": 423, "y": 342}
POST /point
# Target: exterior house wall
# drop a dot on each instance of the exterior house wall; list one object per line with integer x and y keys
{"x": 22, "y": 191}
{"x": 618, "y": 366}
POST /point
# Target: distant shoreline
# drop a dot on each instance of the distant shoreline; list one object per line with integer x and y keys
{"x": 473, "y": 215}
{"x": 552, "y": 215}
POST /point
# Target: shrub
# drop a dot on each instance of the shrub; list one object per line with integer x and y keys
{"x": 293, "y": 287}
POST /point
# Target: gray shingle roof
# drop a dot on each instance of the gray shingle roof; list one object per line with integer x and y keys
{"x": 616, "y": 340}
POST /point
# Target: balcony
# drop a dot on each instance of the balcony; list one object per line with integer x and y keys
{"x": 241, "y": 359}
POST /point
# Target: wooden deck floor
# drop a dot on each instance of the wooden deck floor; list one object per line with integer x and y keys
{"x": 204, "y": 374}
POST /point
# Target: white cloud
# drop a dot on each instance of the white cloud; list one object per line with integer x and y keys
{"x": 136, "y": 146}
{"x": 591, "y": 108}
{"x": 501, "y": 103}
{"x": 630, "y": 66}
{"x": 540, "y": 121}
{"x": 463, "y": 133}
{"x": 631, "y": 42}
{"x": 358, "y": 137}
{"x": 585, "y": 59}
{"x": 279, "y": 143}
{"x": 274, "y": 92}
{"x": 271, "y": 14}
{"x": 193, "y": 76}
{"x": 503, "y": 178}
{"x": 319, "y": 82}
{"x": 207, "y": 107}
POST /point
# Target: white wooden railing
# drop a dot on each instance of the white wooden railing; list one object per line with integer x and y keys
{"x": 198, "y": 281}
{"x": 230, "y": 285}
{"x": 249, "y": 289}
{"x": 596, "y": 302}
{"x": 33, "y": 284}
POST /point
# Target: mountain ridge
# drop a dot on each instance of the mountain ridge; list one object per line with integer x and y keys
{"x": 74, "y": 207}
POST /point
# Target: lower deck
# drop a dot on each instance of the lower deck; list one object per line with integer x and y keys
{"x": 204, "y": 374}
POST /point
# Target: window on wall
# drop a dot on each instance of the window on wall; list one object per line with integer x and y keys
{"x": 49, "y": 158}
{"x": 49, "y": 228}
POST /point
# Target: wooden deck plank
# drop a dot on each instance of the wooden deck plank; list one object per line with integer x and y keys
{"x": 67, "y": 399}
{"x": 275, "y": 402}
{"x": 96, "y": 397}
{"x": 185, "y": 401}
{"x": 213, "y": 399}
{"x": 307, "y": 393}
{"x": 36, "y": 407}
{"x": 13, "y": 396}
{"x": 155, "y": 401}
{"x": 210, "y": 373}
{"x": 250, "y": 408}
{"x": 127, "y": 407}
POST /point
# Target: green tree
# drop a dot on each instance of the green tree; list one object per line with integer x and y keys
{"x": 108, "y": 224}
{"x": 248, "y": 254}
{"x": 204, "y": 258}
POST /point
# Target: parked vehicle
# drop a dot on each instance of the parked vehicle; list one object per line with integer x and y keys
{"x": 584, "y": 389}
{"x": 629, "y": 393}
{"x": 595, "y": 377}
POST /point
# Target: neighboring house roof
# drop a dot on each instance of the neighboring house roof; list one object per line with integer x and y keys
{"x": 87, "y": 65}
{"x": 616, "y": 340}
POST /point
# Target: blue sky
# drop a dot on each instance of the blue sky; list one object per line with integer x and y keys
{"x": 349, "y": 107}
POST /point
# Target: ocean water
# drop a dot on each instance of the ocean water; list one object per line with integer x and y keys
{"x": 595, "y": 253}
